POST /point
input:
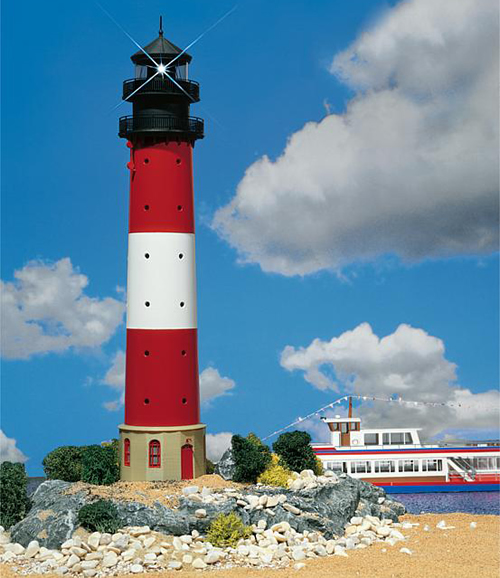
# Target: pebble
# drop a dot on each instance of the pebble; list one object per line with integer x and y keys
{"x": 175, "y": 565}
{"x": 190, "y": 490}
{"x": 405, "y": 551}
{"x": 473, "y": 525}
{"x": 201, "y": 513}
{"x": 299, "y": 566}
{"x": 199, "y": 564}
{"x": 136, "y": 569}
{"x": 212, "y": 557}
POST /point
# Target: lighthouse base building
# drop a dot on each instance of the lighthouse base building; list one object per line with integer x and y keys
{"x": 162, "y": 453}
{"x": 162, "y": 437}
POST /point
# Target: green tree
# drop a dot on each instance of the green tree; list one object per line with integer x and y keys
{"x": 251, "y": 458}
{"x": 296, "y": 452}
{"x": 14, "y": 501}
{"x": 99, "y": 465}
{"x": 64, "y": 463}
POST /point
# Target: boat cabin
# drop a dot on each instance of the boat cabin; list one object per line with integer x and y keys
{"x": 347, "y": 432}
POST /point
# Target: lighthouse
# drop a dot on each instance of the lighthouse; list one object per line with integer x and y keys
{"x": 162, "y": 437}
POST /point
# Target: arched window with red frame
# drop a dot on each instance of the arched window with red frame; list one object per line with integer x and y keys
{"x": 154, "y": 454}
{"x": 126, "y": 452}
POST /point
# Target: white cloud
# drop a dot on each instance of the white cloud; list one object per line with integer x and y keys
{"x": 409, "y": 169}
{"x": 9, "y": 452}
{"x": 217, "y": 444}
{"x": 212, "y": 384}
{"x": 408, "y": 362}
{"x": 115, "y": 378}
{"x": 45, "y": 310}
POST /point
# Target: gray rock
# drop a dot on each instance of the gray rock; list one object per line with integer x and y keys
{"x": 324, "y": 508}
{"x": 225, "y": 466}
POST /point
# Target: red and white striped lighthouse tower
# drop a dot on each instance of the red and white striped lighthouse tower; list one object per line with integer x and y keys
{"x": 162, "y": 437}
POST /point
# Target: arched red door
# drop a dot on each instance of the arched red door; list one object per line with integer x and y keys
{"x": 187, "y": 462}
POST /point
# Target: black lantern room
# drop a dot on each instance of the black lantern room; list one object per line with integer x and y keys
{"x": 161, "y": 94}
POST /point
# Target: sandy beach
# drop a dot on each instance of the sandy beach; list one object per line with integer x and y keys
{"x": 454, "y": 553}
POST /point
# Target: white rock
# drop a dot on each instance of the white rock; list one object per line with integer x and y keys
{"x": 90, "y": 573}
{"x": 426, "y": 528}
{"x": 212, "y": 557}
{"x": 80, "y": 552}
{"x": 405, "y": 551}
{"x": 442, "y": 526}
{"x": 384, "y": 550}
{"x": 356, "y": 520}
{"x": 201, "y": 513}
{"x": 136, "y": 569}
{"x": 381, "y": 500}
{"x": 272, "y": 501}
{"x": 109, "y": 560}
{"x": 136, "y": 531}
{"x": 90, "y": 564}
{"x": 473, "y": 525}
{"x": 198, "y": 564}
{"x": 68, "y": 544}
{"x": 298, "y": 554}
{"x": 187, "y": 559}
{"x": 291, "y": 509}
{"x": 150, "y": 557}
{"x": 205, "y": 492}
{"x": 8, "y": 556}
{"x": 263, "y": 500}
{"x": 73, "y": 559}
{"x": 177, "y": 543}
{"x": 186, "y": 539}
{"x": 105, "y": 539}
{"x": 32, "y": 549}
{"x": 339, "y": 551}
{"x": 383, "y": 531}
{"x": 330, "y": 546}
{"x": 307, "y": 474}
{"x": 262, "y": 524}
{"x": 62, "y": 570}
{"x": 396, "y": 534}
{"x": 94, "y": 540}
{"x": 243, "y": 550}
{"x": 190, "y": 490}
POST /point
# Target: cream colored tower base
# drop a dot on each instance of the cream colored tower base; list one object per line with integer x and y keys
{"x": 173, "y": 451}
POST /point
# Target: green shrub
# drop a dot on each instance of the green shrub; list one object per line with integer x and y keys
{"x": 275, "y": 474}
{"x": 64, "y": 463}
{"x": 251, "y": 458}
{"x": 227, "y": 530}
{"x": 114, "y": 444}
{"x": 99, "y": 466}
{"x": 209, "y": 467}
{"x": 100, "y": 516}
{"x": 14, "y": 502}
{"x": 295, "y": 451}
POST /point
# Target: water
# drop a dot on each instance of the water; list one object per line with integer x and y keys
{"x": 449, "y": 502}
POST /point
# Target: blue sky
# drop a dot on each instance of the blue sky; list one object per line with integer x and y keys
{"x": 429, "y": 260}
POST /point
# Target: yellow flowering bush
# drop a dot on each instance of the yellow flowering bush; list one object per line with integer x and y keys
{"x": 275, "y": 474}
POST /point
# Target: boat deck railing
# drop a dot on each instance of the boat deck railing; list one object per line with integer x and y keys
{"x": 448, "y": 444}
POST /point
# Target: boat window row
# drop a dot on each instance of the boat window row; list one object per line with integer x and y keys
{"x": 385, "y": 466}
{"x": 345, "y": 427}
{"x": 387, "y": 439}
{"x": 484, "y": 463}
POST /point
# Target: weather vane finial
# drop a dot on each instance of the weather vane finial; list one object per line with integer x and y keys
{"x": 161, "y": 25}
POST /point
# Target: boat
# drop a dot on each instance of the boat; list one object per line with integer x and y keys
{"x": 397, "y": 461}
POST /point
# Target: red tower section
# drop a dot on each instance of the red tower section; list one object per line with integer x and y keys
{"x": 161, "y": 437}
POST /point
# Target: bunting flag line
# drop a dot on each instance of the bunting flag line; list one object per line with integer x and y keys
{"x": 398, "y": 400}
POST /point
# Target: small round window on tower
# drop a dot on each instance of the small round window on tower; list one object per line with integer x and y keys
{"x": 179, "y": 207}
{"x": 147, "y": 303}
{"x": 181, "y": 255}
{"x": 146, "y": 353}
{"x": 182, "y": 304}
{"x": 178, "y": 161}
{"x": 146, "y": 207}
{"x": 183, "y": 353}
{"x": 146, "y": 255}
{"x": 146, "y": 401}
{"x": 146, "y": 161}
{"x": 184, "y": 400}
